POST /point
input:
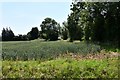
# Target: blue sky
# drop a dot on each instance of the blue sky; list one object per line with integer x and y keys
{"x": 22, "y": 16}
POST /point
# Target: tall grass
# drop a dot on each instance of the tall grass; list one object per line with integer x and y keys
{"x": 43, "y": 50}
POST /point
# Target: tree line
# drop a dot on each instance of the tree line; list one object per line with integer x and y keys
{"x": 96, "y": 22}
{"x": 50, "y": 30}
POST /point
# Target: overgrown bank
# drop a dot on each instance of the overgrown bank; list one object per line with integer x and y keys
{"x": 63, "y": 67}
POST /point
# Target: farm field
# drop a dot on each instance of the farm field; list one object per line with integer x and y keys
{"x": 79, "y": 39}
{"x": 57, "y": 59}
{"x": 39, "y": 50}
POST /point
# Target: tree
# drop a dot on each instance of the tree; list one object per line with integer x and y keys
{"x": 33, "y": 34}
{"x": 74, "y": 27}
{"x": 4, "y": 36}
{"x": 64, "y": 31}
{"x": 100, "y": 21}
{"x": 7, "y": 35}
{"x": 0, "y": 38}
{"x": 49, "y": 29}
{"x": 11, "y": 34}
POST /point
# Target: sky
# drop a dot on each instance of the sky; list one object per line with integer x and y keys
{"x": 22, "y": 16}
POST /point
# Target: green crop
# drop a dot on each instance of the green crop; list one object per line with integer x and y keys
{"x": 40, "y": 50}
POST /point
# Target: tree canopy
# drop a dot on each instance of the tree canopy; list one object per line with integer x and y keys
{"x": 49, "y": 29}
{"x": 33, "y": 34}
{"x": 7, "y": 34}
{"x": 99, "y": 21}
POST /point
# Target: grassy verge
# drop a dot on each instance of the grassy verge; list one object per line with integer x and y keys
{"x": 62, "y": 67}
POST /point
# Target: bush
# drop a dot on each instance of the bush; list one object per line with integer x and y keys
{"x": 61, "y": 68}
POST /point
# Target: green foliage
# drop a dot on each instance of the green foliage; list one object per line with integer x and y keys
{"x": 61, "y": 68}
{"x": 96, "y": 21}
{"x": 75, "y": 31}
{"x": 110, "y": 47}
{"x": 7, "y": 35}
{"x": 33, "y": 34}
{"x": 50, "y": 29}
{"x": 21, "y": 38}
{"x": 64, "y": 31}
{"x": 64, "y": 34}
{"x": 99, "y": 21}
{"x": 37, "y": 49}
